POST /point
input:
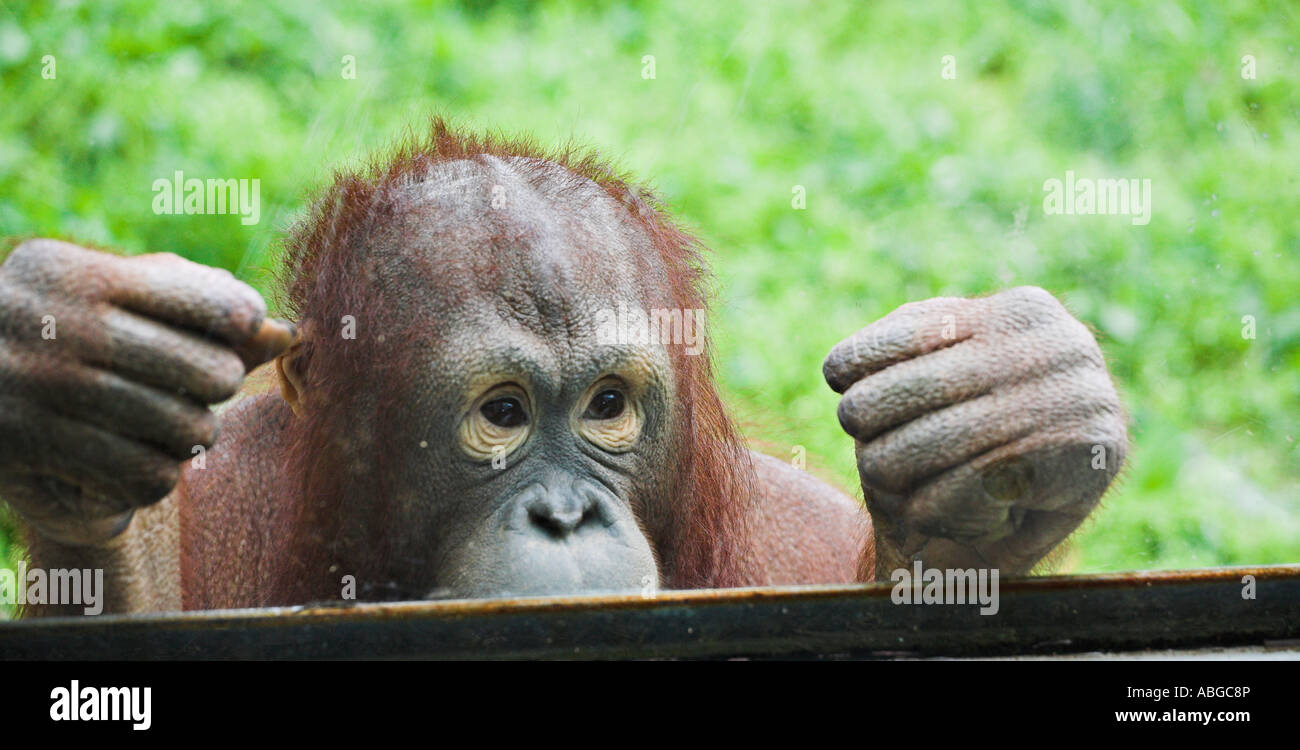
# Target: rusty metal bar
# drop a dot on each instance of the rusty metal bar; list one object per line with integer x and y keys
{"x": 1037, "y": 616}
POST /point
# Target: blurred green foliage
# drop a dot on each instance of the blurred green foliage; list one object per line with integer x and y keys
{"x": 916, "y": 185}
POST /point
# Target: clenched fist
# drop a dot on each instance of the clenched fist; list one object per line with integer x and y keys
{"x": 107, "y": 365}
{"x": 985, "y": 429}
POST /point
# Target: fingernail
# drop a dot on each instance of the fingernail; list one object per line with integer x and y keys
{"x": 293, "y": 329}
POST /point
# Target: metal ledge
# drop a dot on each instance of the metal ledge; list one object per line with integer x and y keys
{"x": 1197, "y": 609}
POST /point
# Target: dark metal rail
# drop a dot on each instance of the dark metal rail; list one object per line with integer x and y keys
{"x": 1037, "y": 616}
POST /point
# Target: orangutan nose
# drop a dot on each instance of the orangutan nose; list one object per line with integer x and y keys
{"x": 561, "y": 511}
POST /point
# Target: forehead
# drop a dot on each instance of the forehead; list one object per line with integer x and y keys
{"x": 516, "y": 238}
{"x": 506, "y": 268}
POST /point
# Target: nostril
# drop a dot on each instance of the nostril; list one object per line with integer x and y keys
{"x": 557, "y": 520}
{"x": 598, "y": 503}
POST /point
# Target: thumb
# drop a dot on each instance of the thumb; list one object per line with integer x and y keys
{"x": 271, "y": 340}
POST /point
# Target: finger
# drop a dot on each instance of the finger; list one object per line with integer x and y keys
{"x": 272, "y": 339}
{"x": 164, "y": 286}
{"x": 910, "y": 331}
{"x": 40, "y": 502}
{"x": 1023, "y": 308}
{"x": 1030, "y": 488}
{"x": 908, "y": 390}
{"x": 116, "y": 472}
{"x": 1014, "y": 549}
{"x": 902, "y": 458}
{"x": 207, "y": 300}
{"x": 111, "y": 402}
{"x": 917, "y": 328}
{"x": 177, "y": 361}
{"x": 46, "y": 265}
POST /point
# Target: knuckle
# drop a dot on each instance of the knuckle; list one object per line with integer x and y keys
{"x": 870, "y": 460}
{"x": 153, "y": 477}
{"x": 43, "y": 252}
{"x": 1084, "y": 337}
{"x": 54, "y": 270}
{"x": 831, "y": 362}
{"x": 21, "y": 254}
{"x": 1024, "y": 308}
{"x": 1036, "y": 298}
{"x": 907, "y": 311}
{"x": 876, "y": 476}
{"x": 857, "y": 409}
{"x": 223, "y": 375}
{"x": 203, "y": 370}
{"x": 175, "y": 263}
{"x": 249, "y": 297}
{"x": 32, "y": 262}
{"x": 845, "y": 361}
{"x": 1032, "y": 294}
{"x": 920, "y": 305}
{"x": 847, "y": 414}
{"x": 885, "y": 505}
{"x": 199, "y": 430}
{"x": 189, "y": 426}
{"x": 835, "y": 367}
{"x": 927, "y": 308}
{"x": 35, "y": 251}
{"x": 244, "y": 306}
{"x": 838, "y": 353}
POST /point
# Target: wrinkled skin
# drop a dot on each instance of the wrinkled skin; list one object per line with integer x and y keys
{"x": 555, "y": 514}
{"x": 102, "y": 397}
{"x": 978, "y": 423}
{"x": 985, "y": 429}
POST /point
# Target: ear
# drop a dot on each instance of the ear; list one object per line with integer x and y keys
{"x": 291, "y": 380}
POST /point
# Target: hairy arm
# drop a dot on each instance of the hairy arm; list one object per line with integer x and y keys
{"x": 140, "y": 565}
{"x": 804, "y": 530}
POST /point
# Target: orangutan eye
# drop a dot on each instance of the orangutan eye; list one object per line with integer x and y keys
{"x": 505, "y": 412}
{"x": 497, "y": 423}
{"x": 612, "y": 418}
{"x": 608, "y": 404}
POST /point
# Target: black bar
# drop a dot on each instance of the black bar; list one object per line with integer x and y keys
{"x": 1037, "y": 616}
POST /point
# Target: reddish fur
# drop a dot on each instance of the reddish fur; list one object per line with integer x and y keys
{"x": 262, "y": 523}
{"x": 706, "y": 539}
